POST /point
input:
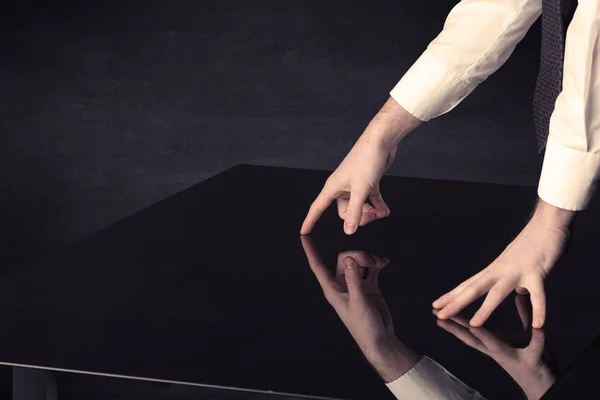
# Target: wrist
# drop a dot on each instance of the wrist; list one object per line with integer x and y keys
{"x": 391, "y": 124}
{"x": 552, "y": 216}
{"x": 535, "y": 385}
{"x": 391, "y": 359}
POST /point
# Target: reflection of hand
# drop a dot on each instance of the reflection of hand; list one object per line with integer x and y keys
{"x": 357, "y": 300}
{"x": 355, "y": 296}
{"x": 523, "y": 266}
{"x": 527, "y": 366}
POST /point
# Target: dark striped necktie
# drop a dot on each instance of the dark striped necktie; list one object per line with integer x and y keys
{"x": 556, "y": 16}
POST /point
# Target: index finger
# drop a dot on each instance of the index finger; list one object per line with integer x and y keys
{"x": 317, "y": 208}
{"x": 316, "y": 263}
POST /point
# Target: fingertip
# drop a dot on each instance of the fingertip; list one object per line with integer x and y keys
{"x": 538, "y": 323}
{"x": 349, "y": 228}
{"x": 439, "y": 303}
{"x": 381, "y": 213}
{"x": 368, "y": 218}
{"x": 442, "y": 315}
{"x": 307, "y": 226}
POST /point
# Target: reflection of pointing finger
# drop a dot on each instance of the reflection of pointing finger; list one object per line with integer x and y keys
{"x": 489, "y": 340}
{"x": 316, "y": 263}
{"x": 310, "y": 251}
{"x": 462, "y": 334}
{"x": 461, "y": 321}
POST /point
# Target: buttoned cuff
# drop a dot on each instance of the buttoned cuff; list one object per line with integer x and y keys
{"x": 428, "y": 380}
{"x": 428, "y": 90}
{"x": 568, "y": 176}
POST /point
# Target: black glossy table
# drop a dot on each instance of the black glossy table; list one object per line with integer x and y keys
{"x": 212, "y": 287}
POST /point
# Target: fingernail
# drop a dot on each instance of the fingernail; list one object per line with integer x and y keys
{"x": 349, "y": 228}
{"x": 435, "y": 304}
{"x": 348, "y": 263}
{"x": 537, "y": 323}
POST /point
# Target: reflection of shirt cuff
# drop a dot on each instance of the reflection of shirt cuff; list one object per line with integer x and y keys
{"x": 428, "y": 89}
{"x": 568, "y": 176}
{"x": 428, "y": 380}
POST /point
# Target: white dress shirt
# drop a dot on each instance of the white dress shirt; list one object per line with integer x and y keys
{"x": 428, "y": 380}
{"x": 477, "y": 38}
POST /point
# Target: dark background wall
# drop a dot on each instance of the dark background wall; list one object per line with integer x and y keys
{"x": 107, "y": 107}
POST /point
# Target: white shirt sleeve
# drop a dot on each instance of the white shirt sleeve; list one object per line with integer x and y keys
{"x": 477, "y": 39}
{"x": 428, "y": 380}
{"x": 572, "y": 158}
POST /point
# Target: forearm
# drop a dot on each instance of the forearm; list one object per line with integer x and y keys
{"x": 477, "y": 39}
{"x": 572, "y": 159}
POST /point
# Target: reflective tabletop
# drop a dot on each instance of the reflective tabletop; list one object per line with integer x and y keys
{"x": 215, "y": 286}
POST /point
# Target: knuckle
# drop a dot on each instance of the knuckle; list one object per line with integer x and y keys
{"x": 352, "y": 213}
{"x": 342, "y": 256}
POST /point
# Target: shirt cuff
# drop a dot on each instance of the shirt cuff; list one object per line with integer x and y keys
{"x": 428, "y": 90}
{"x": 428, "y": 380}
{"x": 568, "y": 176}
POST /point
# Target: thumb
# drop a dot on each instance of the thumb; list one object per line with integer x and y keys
{"x": 352, "y": 276}
{"x": 353, "y": 213}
